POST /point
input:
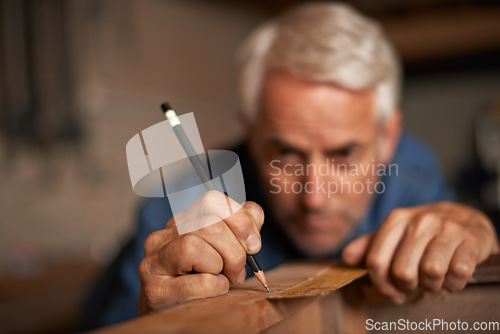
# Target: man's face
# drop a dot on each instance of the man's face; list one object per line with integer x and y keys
{"x": 315, "y": 145}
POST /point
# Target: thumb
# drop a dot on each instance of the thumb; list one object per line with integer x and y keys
{"x": 256, "y": 212}
{"x": 354, "y": 253}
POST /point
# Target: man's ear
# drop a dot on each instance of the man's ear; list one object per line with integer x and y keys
{"x": 390, "y": 133}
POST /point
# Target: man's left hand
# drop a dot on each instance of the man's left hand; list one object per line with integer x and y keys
{"x": 427, "y": 247}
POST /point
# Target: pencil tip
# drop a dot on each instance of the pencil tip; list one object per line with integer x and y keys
{"x": 267, "y": 289}
{"x": 262, "y": 279}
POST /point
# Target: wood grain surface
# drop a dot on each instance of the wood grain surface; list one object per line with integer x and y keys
{"x": 295, "y": 304}
{"x": 245, "y": 309}
{"x": 325, "y": 281}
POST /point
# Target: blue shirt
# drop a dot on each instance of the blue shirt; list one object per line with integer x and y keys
{"x": 116, "y": 296}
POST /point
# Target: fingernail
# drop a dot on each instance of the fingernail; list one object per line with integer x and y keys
{"x": 253, "y": 243}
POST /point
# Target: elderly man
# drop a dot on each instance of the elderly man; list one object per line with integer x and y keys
{"x": 328, "y": 163}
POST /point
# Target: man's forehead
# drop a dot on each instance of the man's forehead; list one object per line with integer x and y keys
{"x": 302, "y": 112}
{"x": 286, "y": 95}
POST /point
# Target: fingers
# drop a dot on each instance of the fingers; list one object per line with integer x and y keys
{"x": 168, "y": 291}
{"x": 244, "y": 221}
{"x": 435, "y": 261}
{"x": 245, "y": 225}
{"x": 234, "y": 238}
{"x": 461, "y": 268}
{"x": 256, "y": 212}
{"x": 208, "y": 256}
{"x": 221, "y": 236}
{"x": 222, "y": 239}
{"x": 167, "y": 277}
{"x": 354, "y": 253}
{"x": 381, "y": 252}
{"x": 156, "y": 240}
{"x": 188, "y": 253}
{"x": 213, "y": 249}
{"x": 429, "y": 247}
{"x": 406, "y": 262}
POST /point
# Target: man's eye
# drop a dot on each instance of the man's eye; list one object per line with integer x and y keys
{"x": 344, "y": 153}
{"x": 285, "y": 151}
{"x": 287, "y": 155}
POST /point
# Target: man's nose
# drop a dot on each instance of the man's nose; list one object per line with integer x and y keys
{"x": 315, "y": 188}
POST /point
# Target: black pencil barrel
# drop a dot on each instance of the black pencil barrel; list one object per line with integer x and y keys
{"x": 253, "y": 264}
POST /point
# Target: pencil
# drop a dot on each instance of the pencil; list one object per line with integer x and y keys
{"x": 175, "y": 122}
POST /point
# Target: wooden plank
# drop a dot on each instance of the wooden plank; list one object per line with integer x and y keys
{"x": 295, "y": 303}
{"x": 245, "y": 309}
{"x": 347, "y": 311}
{"x": 328, "y": 280}
{"x": 306, "y": 320}
{"x": 475, "y": 303}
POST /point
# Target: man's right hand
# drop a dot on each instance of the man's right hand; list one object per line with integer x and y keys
{"x": 200, "y": 264}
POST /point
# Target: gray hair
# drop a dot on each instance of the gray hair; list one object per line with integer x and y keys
{"x": 323, "y": 42}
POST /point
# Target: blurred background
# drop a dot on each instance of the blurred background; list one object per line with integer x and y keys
{"x": 79, "y": 78}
